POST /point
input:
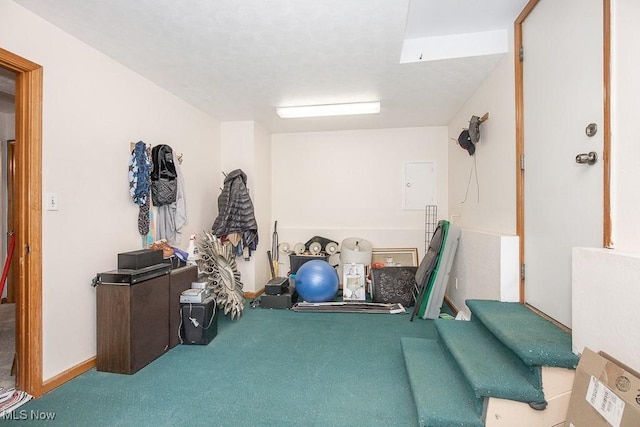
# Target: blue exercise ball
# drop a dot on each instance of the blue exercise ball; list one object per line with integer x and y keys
{"x": 317, "y": 281}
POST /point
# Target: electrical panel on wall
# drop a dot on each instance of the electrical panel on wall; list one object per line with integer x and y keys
{"x": 419, "y": 185}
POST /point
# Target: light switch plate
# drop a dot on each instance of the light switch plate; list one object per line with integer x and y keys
{"x": 51, "y": 201}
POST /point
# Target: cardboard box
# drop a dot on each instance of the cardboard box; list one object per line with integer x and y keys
{"x": 605, "y": 393}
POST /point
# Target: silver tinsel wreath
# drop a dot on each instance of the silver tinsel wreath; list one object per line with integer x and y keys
{"x": 218, "y": 263}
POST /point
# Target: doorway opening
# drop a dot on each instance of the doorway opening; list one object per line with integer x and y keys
{"x": 27, "y": 210}
{"x": 7, "y": 303}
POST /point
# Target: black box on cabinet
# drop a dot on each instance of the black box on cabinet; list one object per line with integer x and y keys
{"x": 127, "y": 276}
{"x": 136, "y": 260}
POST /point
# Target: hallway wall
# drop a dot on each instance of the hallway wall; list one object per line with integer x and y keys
{"x": 93, "y": 108}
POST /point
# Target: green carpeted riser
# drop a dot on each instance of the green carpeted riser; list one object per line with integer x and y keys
{"x": 442, "y": 396}
{"x": 491, "y": 369}
{"x": 537, "y": 341}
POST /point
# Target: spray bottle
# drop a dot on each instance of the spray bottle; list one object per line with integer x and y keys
{"x": 192, "y": 251}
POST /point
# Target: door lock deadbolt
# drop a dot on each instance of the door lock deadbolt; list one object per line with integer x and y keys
{"x": 591, "y": 129}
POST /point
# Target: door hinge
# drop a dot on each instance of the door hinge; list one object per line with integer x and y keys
{"x": 521, "y": 53}
{"x": 521, "y": 162}
{"x": 522, "y": 271}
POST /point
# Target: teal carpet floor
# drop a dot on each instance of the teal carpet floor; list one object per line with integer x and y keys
{"x": 269, "y": 368}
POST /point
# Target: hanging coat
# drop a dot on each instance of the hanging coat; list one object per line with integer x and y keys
{"x": 235, "y": 211}
{"x": 172, "y": 217}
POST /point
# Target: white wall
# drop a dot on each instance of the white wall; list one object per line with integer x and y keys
{"x": 350, "y": 184}
{"x": 606, "y": 292}
{"x": 625, "y": 136}
{"x": 262, "y": 200}
{"x": 485, "y": 267}
{"x": 92, "y": 109}
{"x": 246, "y": 145}
{"x": 487, "y": 261}
{"x": 493, "y": 207}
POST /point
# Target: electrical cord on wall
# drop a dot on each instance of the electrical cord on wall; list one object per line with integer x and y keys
{"x": 472, "y": 172}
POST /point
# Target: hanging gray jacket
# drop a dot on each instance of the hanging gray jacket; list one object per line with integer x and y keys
{"x": 235, "y": 210}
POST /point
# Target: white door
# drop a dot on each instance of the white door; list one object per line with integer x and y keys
{"x": 563, "y": 94}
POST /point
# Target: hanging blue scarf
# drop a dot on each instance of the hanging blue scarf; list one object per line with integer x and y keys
{"x": 140, "y": 182}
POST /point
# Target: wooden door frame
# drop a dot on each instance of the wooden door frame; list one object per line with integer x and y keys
{"x": 606, "y": 149}
{"x": 28, "y": 209}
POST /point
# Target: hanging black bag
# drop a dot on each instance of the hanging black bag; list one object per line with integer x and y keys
{"x": 164, "y": 184}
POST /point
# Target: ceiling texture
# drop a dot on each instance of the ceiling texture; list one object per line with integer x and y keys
{"x": 240, "y": 59}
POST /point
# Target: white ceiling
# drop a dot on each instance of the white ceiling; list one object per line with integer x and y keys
{"x": 239, "y": 59}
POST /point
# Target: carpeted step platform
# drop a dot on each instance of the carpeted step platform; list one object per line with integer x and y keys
{"x": 491, "y": 369}
{"x": 537, "y": 341}
{"x": 441, "y": 394}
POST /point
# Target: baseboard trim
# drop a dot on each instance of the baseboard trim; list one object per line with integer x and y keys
{"x": 67, "y": 375}
{"x": 549, "y": 318}
{"x": 253, "y": 295}
{"x": 451, "y": 305}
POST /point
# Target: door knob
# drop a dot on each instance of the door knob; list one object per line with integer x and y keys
{"x": 587, "y": 158}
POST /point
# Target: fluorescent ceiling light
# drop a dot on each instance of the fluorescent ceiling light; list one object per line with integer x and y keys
{"x": 329, "y": 110}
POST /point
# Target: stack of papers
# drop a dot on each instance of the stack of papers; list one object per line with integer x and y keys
{"x": 10, "y": 400}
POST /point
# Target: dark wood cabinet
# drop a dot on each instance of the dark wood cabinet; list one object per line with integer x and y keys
{"x": 132, "y": 324}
